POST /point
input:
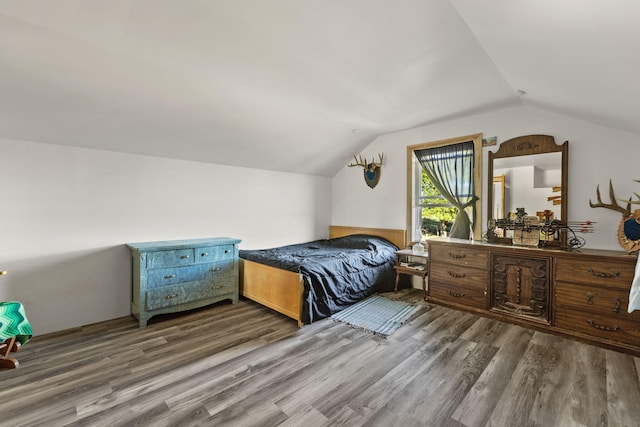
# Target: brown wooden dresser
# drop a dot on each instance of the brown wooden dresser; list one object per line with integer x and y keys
{"x": 581, "y": 294}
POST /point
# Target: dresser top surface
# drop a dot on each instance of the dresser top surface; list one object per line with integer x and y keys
{"x": 181, "y": 244}
{"x": 582, "y": 252}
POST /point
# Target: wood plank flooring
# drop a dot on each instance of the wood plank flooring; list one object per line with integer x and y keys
{"x": 245, "y": 365}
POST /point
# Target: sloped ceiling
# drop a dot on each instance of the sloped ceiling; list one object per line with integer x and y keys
{"x": 301, "y": 85}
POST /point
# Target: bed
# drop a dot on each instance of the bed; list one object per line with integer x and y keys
{"x": 307, "y": 287}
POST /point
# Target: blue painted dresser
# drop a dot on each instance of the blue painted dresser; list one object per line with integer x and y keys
{"x": 177, "y": 275}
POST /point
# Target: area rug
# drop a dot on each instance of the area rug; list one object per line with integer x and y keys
{"x": 377, "y": 314}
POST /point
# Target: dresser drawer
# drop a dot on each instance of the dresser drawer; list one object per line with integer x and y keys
{"x": 459, "y": 275}
{"x": 187, "y": 292}
{"x": 618, "y": 275}
{"x": 172, "y": 295}
{"x": 475, "y": 298}
{"x": 221, "y": 268}
{"x": 213, "y": 253}
{"x": 170, "y": 276}
{"x": 223, "y": 286}
{"x": 173, "y": 258}
{"x": 459, "y": 255}
{"x": 600, "y": 326}
{"x": 593, "y": 299}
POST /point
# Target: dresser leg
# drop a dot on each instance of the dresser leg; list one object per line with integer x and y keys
{"x": 142, "y": 322}
{"x": 424, "y": 286}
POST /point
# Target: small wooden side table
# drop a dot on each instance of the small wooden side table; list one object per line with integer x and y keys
{"x": 413, "y": 264}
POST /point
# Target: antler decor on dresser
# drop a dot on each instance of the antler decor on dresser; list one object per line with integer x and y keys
{"x": 372, "y": 170}
{"x": 628, "y": 218}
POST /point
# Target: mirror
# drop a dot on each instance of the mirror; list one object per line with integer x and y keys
{"x": 528, "y": 172}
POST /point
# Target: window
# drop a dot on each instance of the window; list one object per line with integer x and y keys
{"x": 436, "y": 213}
{"x": 427, "y": 208}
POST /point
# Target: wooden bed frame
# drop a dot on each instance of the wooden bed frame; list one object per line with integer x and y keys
{"x": 283, "y": 290}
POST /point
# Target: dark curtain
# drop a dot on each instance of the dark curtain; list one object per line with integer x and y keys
{"x": 450, "y": 168}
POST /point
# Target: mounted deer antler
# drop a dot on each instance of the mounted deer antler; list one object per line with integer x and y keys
{"x": 626, "y": 243}
{"x": 372, "y": 170}
{"x": 367, "y": 165}
{"x": 613, "y": 205}
{"x": 636, "y": 202}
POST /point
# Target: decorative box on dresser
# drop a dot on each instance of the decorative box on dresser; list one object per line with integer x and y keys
{"x": 580, "y": 293}
{"x": 178, "y": 275}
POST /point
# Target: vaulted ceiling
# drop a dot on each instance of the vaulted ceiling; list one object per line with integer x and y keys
{"x": 302, "y": 85}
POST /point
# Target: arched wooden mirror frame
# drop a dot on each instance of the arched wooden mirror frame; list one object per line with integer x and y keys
{"x": 525, "y": 146}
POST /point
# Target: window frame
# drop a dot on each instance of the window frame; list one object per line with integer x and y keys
{"x": 414, "y": 176}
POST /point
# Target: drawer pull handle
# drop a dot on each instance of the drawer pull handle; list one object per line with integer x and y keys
{"x": 184, "y": 257}
{"x": 204, "y": 254}
{"x": 589, "y": 298}
{"x": 457, "y": 256}
{"x": 172, "y": 296}
{"x": 602, "y": 327}
{"x": 217, "y": 287}
{"x": 616, "y": 306}
{"x": 455, "y": 294}
{"x": 170, "y": 276}
{"x": 456, "y": 275}
{"x": 226, "y": 251}
{"x": 216, "y": 269}
{"x": 601, "y": 274}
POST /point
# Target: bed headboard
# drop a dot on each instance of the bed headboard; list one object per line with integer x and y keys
{"x": 397, "y": 237}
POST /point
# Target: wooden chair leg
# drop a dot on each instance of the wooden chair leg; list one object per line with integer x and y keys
{"x": 8, "y": 363}
{"x": 7, "y": 346}
{"x": 15, "y": 347}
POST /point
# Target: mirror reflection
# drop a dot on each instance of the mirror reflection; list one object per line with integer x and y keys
{"x": 531, "y": 182}
{"x": 498, "y": 196}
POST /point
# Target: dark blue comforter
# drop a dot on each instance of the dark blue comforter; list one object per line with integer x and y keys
{"x": 336, "y": 272}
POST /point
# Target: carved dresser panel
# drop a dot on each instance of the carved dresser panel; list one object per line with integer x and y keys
{"x": 520, "y": 286}
{"x": 581, "y": 294}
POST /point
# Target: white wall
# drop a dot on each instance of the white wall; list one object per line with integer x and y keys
{"x": 596, "y": 154}
{"x": 66, "y": 214}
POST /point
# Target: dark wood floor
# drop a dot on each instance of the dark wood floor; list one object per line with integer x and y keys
{"x": 245, "y": 365}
